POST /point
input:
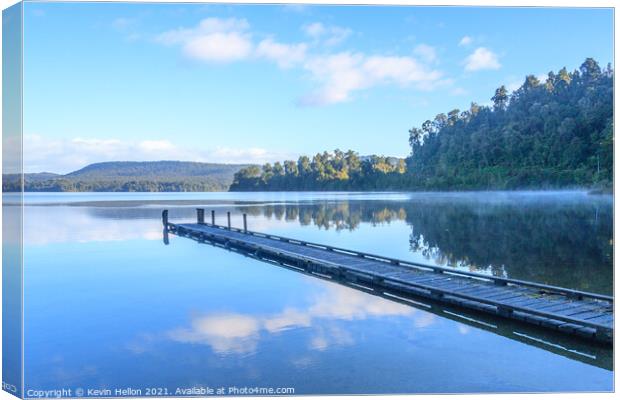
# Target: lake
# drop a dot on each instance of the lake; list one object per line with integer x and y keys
{"x": 108, "y": 305}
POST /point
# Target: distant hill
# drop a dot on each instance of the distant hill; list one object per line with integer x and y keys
{"x": 132, "y": 176}
{"x": 40, "y": 176}
{"x": 155, "y": 169}
{"x": 14, "y": 179}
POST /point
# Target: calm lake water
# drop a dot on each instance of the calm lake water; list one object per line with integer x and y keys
{"x": 109, "y": 305}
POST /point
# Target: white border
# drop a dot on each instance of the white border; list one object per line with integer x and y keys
{"x": 484, "y": 3}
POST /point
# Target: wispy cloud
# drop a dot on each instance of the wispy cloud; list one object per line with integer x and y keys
{"x": 343, "y": 73}
{"x": 426, "y": 53}
{"x": 205, "y": 27}
{"x": 458, "y": 91}
{"x": 129, "y": 27}
{"x": 214, "y": 39}
{"x": 481, "y": 59}
{"x": 123, "y": 23}
{"x": 466, "y": 41}
{"x": 329, "y": 35}
{"x": 285, "y": 55}
{"x": 338, "y": 75}
{"x": 66, "y": 155}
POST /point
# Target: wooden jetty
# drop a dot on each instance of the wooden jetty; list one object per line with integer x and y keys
{"x": 577, "y": 313}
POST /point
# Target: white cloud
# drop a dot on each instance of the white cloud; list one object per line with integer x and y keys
{"x": 150, "y": 146}
{"x": 402, "y": 70}
{"x": 337, "y": 74}
{"x": 219, "y": 47}
{"x": 328, "y": 35}
{"x": 206, "y": 27}
{"x": 213, "y": 40}
{"x": 315, "y": 29}
{"x": 285, "y": 55}
{"x": 426, "y": 53}
{"x": 228, "y": 40}
{"x": 482, "y": 58}
{"x": 343, "y": 73}
{"x": 66, "y": 155}
{"x": 466, "y": 41}
{"x": 245, "y": 155}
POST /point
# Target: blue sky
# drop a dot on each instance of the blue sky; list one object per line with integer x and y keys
{"x": 255, "y": 83}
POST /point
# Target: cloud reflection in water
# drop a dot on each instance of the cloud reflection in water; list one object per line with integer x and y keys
{"x": 240, "y": 333}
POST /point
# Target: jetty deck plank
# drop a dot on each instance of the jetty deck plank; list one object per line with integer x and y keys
{"x": 580, "y": 313}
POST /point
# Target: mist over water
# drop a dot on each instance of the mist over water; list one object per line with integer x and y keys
{"x": 109, "y": 304}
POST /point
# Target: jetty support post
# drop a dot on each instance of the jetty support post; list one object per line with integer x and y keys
{"x": 228, "y": 215}
{"x": 164, "y": 218}
{"x": 245, "y": 222}
{"x": 200, "y": 215}
{"x": 166, "y": 237}
{"x": 212, "y": 217}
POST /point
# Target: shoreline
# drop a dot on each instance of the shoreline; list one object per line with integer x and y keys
{"x": 148, "y": 199}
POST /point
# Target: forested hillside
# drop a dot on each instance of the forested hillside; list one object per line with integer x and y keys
{"x": 128, "y": 176}
{"x": 555, "y": 133}
{"x": 552, "y": 134}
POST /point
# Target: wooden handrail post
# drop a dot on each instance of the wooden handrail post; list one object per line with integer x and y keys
{"x": 245, "y": 222}
{"x": 212, "y": 217}
{"x": 200, "y": 215}
{"x": 228, "y": 215}
{"x": 164, "y": 218}
{"x": 166, "y": 237}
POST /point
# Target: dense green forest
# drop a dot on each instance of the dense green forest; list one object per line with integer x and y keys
{"x": 128, "y": 176}
{"x": 325, "y": 171}
{"x": 551, "y": 134}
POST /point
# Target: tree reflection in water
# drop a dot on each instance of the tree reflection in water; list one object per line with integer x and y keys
{"x": 561, "y": 239}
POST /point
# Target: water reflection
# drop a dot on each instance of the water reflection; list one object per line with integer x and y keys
{"x": 562, "y": 241}
{"x": 354, "y": 304}
{"x": 110, "y": 305}
{"x": 240, "y": 333}
{"x": 558, "y": 239}
{"x": 565, "y": 244}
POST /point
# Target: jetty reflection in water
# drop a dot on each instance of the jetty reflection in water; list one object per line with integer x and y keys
{"x": 563, "y": 239}
{"x": 597, "y": 354}
{"x": 140, "y": 311}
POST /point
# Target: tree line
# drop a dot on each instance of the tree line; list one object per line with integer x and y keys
{"x": 545, "y": 134}
{"x": 335, "y": 170}
{"x": 116, "y": 185}
{"x": 555, "y": 133}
